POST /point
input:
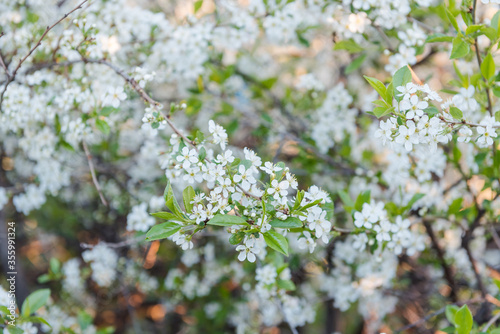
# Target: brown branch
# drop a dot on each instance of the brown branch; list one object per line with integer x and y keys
{"x": 448, "y": 274}
{"x": 467, "y": 237}
{"x": 92, "y": 172}
{"x": 49, "y": 28}
{"x": 473, "y": 125}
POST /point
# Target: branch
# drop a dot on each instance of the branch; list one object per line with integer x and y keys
{"x": 467, "y": 237}
{"x": 491, "y": 322}
{"x": 11, "y": 77}
{"x": 92, "y": 172}
{"x": 473, "y": 125}
{"x": 448, "y": 274}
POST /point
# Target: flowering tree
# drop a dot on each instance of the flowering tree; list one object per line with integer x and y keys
{"x": 326, "y": 166}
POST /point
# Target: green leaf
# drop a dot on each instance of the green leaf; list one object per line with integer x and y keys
{"x": 495, "y": 21}
{"x": 15, "y": 330}
{"x": 363, "y": 197}
{"x": 377, "y": 85}
{"x": 236, "y": 238}
{"x": 103, "y": 126}
{"x": 34, "y": 301}
{"x": 346, "y": 199}
{"x": 449, "y": 330}
{"x": 38, "y": 320}
{"x": 413, "y": 200}
{"x": 455, "y": 206}
{"x": 170, "y": 200}
{"x": 276, "y": 241}
{"x": 290, "y": 222}
{"x": 497, "y": 116}
{"x": 286, "y": 285}
{"x": 463, "y": 320}
{"x": 187, "y": 196}
{"x": 348, "y": 45}
{"x": 438, "y": 38}
{"x": 106, "y": 111}
{"x": 309, "y": 205}
{"x": 330, "y": 210}
{"x": 460, "y": 48}
{"x": 488, "y": 67}
{"x": 452, "y": 20}
{"x": 431, "y": 110}
{"x": 382, "y": 111}
{"x": 55, "y": 265}
{"x": 165, "y": 215}
{"x": 355, "y": 64}
{"x": 491, "y": 33}
{"x": 450, "y": 312}
{"x": 473, "y": 28}
{"x": 202, "y": 154}
{"x": 401, "y": 78}
{"x": 269, "y": 83}
{"x": 44, "y": 278}
{"x": 298, "y": 200}
{"x": 456, "y": 113}
{"x": 162, "y": 231}
{"x": 227, "y": 220}
{"x": 197, "y": 5}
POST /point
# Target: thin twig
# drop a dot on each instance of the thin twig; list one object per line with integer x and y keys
{"x": 466, "y": 123}
{"x": 124, "y": 243}
{"x": 49, "y": 28}
{"x": 491, "y": 322}
{"x": 495, "y": 236}
{"x": 92, "y": 172}
{"x": 467, "y": 237}
{"x": 448, "y": 274}
{"x": 385, "y": 37}
{"x": 4, "y": 67}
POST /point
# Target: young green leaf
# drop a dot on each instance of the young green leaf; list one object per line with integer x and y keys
{"x": 460, "y": 48}
{"x": 488, "y": 67}
{"x": 346, "y": 199}
{"x": 455, "y": 206}
{"x": 162, "y": 231}
{"x": 197, "y": 5}
{"x": 463, "y": 320}
{"x": 165, "y": 215}
{"x": 363, "y": 197}
{"x": 276, "y": 241}
{"x": 227, "y": 220}
{"x": 377, "y": 85}
{"x": 34, "y": 301}
{"x": 236, "y": 238}
{"x": 401, "y": 78}
{"x": 438, "y": 37}
{"x": 355, "y": 64}
{"x": 450, "y": 312}
{"x": 187, "y": 197}
{"x": 290, "y": 222}
{"x": 348, "y": 45}
{"x": 452, "y": 20}
{"x": 286, "y": 285}
{"x": 103, "y": 126}
{"x": 413, "y": 200}
{"x": 456, "y": 113}
{"x": 171, "y": 202}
